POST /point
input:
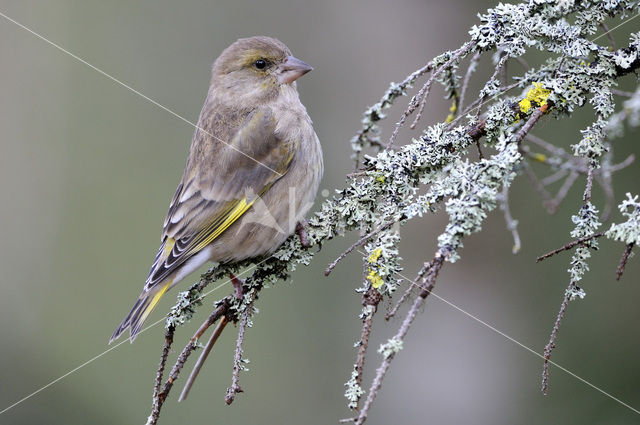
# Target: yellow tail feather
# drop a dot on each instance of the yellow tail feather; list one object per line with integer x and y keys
{"x": 141, "y": 311}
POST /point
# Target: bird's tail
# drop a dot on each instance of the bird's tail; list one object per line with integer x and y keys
{"x": 140, "y": 311}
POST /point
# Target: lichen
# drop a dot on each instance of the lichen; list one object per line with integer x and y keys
{"x": 538, "y": 96}
{"x": 392, "y": 347}
{"x": 627, "y": 232}
{"x": 353, "y": 391}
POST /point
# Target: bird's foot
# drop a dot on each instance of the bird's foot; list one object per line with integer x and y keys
{"x": 237, "y": 284}
{"x": 302, "y": 233}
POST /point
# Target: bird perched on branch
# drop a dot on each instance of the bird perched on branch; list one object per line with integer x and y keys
{"x": 253, "y": 170}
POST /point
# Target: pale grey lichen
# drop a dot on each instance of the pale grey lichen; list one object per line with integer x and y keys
{"x": 383, "y": 262}
{"x": 628, "y": 231}
{"x": 592, "y": 145}
{"x": 390, "y": 348}
{"x": 587, "y": 222}
{"x": 354, "y": 391}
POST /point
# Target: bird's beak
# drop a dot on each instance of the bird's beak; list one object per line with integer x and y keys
{"x": 292, "y": 69}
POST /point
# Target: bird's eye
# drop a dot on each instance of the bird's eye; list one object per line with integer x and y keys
{"x": 260, "y": 64}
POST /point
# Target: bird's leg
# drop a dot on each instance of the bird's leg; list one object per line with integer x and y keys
{"x": 302, "y": 234}
{"x": 237, "y": 284}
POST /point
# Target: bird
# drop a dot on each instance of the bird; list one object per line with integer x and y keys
{"x": 252, "y": 173}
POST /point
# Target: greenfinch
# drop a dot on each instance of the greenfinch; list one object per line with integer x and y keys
{"x": 252, "y": 174}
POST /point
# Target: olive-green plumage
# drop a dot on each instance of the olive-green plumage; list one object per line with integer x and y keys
{"x": 253, "y": 170}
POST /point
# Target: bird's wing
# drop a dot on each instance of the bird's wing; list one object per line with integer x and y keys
{"x": 220, "y": 183}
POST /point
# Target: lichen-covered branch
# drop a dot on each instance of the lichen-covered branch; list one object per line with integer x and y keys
{"x": 438, "y": 168}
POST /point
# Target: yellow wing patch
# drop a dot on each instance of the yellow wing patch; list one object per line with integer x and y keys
{"x": 236, "y": 212}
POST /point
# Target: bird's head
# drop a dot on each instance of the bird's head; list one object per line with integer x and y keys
{"x": 256, "y": 68}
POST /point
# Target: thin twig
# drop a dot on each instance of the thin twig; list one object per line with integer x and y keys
{"x": 535, "y": 182}
{"x": 622, "y": 93}
{"x": 427, "y": 285}
{"x": 504, "y": 72}
{"x": 370, "y": 300}
{"x": 416, "y": 100}
{"x": 609, "y": 197}
{"x": 161, "y": 396}
{"x": 473, "y": 64}
{"x": 612, "y": 43}
{"x": 373, "y": 116}
{"x": 501, "y": 63}
{"x": 557, "y": 176}
{"x": 579, "y": 165}
{"x": 512, "y": 225}
{"x": 569, "y": 292}
{"x": 424, "y": 92}
{"x": 168, "y": 341}
{"x": 523, "y": 63}
{"x": 554, "y": 335}
{"x": 587, "y": 190}
{"x": 424, "y": 269}
{"x": 553, "y": 204}
{"x": 237, "y": 358}
{"x": 390, "y": 314}
{"x": 569, "y": 245}
{"x": 533, "y": 119}
{"x": 359, "y": 242}
{"x": 477, "y": 104}
{"x": 548, "y": 146}
{"x": 623, "y": 261}
{"x": 203, "y": 357}
{"x": 620, "y": 165}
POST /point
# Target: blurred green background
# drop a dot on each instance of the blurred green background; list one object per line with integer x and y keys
{"x": 87, "y": 169}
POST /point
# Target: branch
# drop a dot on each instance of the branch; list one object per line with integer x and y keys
{"x": 554, "y": 334}
{"x": 569, "y": 245}
{"x": 358, "y": 243}
{"x": 160, "y": 396}
{"x": 203, "y": 357}
{"x": 512, "y": 225}
{"x": 473, "y": 64}
{"x": 436, "y": 170}
{"x": 420, "y": 98}
{"x": 237, "y": 359}
{"x": 623, "y": 260}
{"x": 427, "y": 284}
{"x": 370, "y": 301}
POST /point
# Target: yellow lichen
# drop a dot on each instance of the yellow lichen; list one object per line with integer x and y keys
{"x": 375, "y": 279}
{"x": 538, "y": 95}
{"x": 375, "y": 255}
{"x": 539, "y": 157}
{"x": 452, "y": 110}
{"x": 380, "y": 179}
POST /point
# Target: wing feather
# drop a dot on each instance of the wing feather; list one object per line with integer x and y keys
{"x": 219, "y": 185}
